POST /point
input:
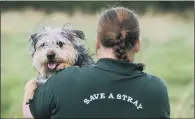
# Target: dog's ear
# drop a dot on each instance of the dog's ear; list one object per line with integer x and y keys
{"x": 33, "y": 42}
{"x": 33, "y": 38}
{"x": 79, "y": 34}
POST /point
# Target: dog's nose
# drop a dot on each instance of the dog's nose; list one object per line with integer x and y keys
{"x": 51, "y": 56}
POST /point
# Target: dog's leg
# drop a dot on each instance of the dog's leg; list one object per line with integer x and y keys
{"x": 62, "y": 66}
{"x": 29, "y": 89}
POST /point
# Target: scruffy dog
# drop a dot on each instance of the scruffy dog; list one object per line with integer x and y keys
{"x": 53, "y": 49}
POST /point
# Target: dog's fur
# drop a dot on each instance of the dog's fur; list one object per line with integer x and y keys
{"x": 53, "y": 49}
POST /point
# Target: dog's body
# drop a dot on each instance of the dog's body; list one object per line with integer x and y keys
{"x": 53, "y": 49}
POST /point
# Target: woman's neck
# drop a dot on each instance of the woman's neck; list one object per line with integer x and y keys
{"x": 109, "y": 53}
{"x": 106, "y": 53}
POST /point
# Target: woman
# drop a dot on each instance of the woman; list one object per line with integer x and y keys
{"x": 115, "y": 87}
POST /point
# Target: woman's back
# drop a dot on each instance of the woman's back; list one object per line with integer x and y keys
{"x": 111, "y": 88}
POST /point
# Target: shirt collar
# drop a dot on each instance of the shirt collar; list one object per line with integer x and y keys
{"x": 118, "y": 66}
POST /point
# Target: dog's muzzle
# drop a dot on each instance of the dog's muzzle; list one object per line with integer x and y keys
{"x": 52, "y": 64}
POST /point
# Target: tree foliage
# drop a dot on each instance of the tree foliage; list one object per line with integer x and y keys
{"x": 94, "y": 6}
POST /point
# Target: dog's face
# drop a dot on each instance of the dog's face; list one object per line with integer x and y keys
{"x": 50, "y": 47}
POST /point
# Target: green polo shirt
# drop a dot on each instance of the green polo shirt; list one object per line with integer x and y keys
{"x": 110, "y": 88}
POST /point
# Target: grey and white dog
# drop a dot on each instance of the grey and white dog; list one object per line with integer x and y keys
{"x": 53, "y": 49}
{"x": 54, "y": 46}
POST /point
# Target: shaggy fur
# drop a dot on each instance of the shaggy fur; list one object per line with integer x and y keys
{"x": 64, "y": 43}
{"x": 53, "y": 49}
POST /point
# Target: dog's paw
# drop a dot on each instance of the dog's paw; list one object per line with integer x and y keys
{"x": 62, "y": 66}
{"x": 29, "y": 89}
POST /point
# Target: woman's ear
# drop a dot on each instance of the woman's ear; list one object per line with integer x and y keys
{"x": 137, "y": 46}
{"x": 97, "y": 43}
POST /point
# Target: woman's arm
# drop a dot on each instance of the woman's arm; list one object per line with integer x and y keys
{"x": 42, "y": 100}
{"x": 29, "y": 89}
{"x": 26, "y": 111}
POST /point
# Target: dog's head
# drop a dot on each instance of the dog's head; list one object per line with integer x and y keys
{"x": 52, "y": 46}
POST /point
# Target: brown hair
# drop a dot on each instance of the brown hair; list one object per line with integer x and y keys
{"x": 119, "y": 28}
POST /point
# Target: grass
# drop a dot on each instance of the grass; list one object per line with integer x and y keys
{"x": 167, "y": 50}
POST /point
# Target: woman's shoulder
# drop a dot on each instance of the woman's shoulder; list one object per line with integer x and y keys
{"x": 155, "y": 79}
{"x": 73, "y": 71}
{"x": 68, "y": 75}
{"x": 155, "y": 83}
{"x": 76, "y": 69}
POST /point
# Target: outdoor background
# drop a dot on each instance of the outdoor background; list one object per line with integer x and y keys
{"x": 167, "y": 34}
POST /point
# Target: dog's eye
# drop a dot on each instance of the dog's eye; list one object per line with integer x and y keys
{"x": 60, "y": 44}
{"x": 42, "y": 45}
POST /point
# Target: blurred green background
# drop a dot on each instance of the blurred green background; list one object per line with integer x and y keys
{"x": 167, "y": 34}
